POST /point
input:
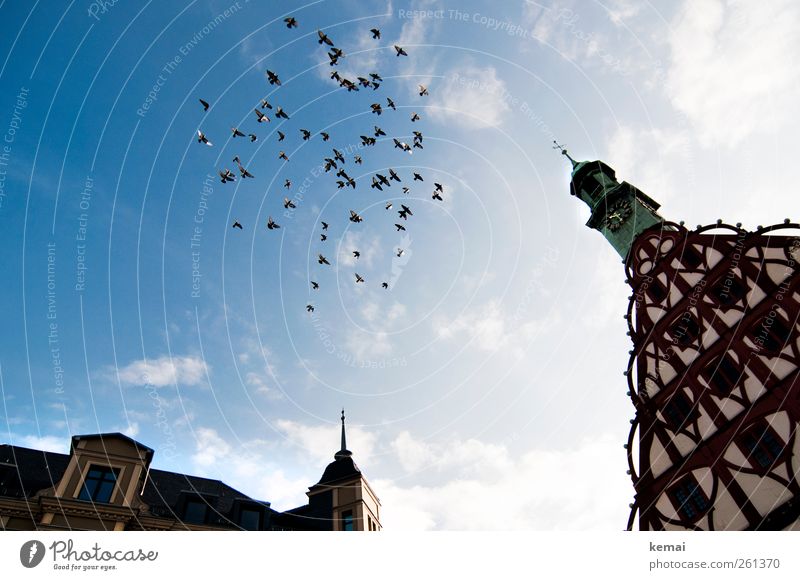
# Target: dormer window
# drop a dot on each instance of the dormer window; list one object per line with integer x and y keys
{"x": 195, "y": 510}
{"x": 98, "y": 487}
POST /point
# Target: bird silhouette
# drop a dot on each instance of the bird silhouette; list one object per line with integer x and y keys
{"x": 204, "y": 103}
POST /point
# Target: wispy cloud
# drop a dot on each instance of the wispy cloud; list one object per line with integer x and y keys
{"x": 487, "y": 487}
{"x": 472, "y": 97}
{"x": 162, "y": 371}
{"x": 720, "y": 81}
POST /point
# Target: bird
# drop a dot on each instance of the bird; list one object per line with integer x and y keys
{"x": 310, "y": 308}
{"x": 324, "y": 38}
{"x": 322, "y": 237}
{"x": 338, "y": 155}
{"x": 281, "y": 136}
{"x": 329, "y": 163}
{"x": 261, "y": 116}
{"x": 287, "y": 184}
{"x": 376, "y": 184}
{"x": 400, "y": 51}
{"x": 314, "y": 285}
{"x": 400, "y": 227}
{"x": 436, "y": 196}
{"x": 253, "y": 137}
{"x": 236, "y": 132}
{"x": 383, "y": 180}
{"x": 237, "y": 225}
{"x": 283, "y": 156}
{"x": 201, "y": 138}
{"x": 376, "y": 108}
{"x": 244, "y": 173}
{"x": 378, "y": 131}
{"x": 438, "y": 187}
{"x": 335, "y": 76}
{"x": 357, "y": 159}
{"x": 363, "y": 81}
{"x": 325, "y": 136}
{"x": 417, "y": 136}
{"x": 399, "y": 252}
{"x": 324, "y": 225}
{"x": 376, "y": 34}
{"x": 414, "y": 117}
{"x": 271, "y": 224}
{"x": 385, "y": 285}
{"x": 306, "y": 134}
{"x": 225, "y": 175}
{"x": 390, "y": 103}
{"x": 358, "y": 278}
{"x": 273, "y": 78}
{"x": 418, "y": 177}
{"x": 356, "y": 254}
{"x": 404, "y": 212}
{"x": 423, "y": 90}
{"x": 389, "y": 206}
{"x": 204, "y": 103}
{"x": 265, "y": 104}
{"x": 406, "y": 190}
{"x": 323, "y": 260}
{"x": 355, "y": 218}
{"x": 290, "y": 22}
{"x": 375, "y": 77}
{"x": 393, "y": 175}
{"x": 281, "y": 114}
{"x": 288, "y": 203}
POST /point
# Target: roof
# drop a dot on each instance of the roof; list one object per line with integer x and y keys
{"x": 24, "y": 472}
{"x": 343, "y": 468}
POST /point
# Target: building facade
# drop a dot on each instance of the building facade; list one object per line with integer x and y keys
{"x": 106, "y": 483}
{"x": 714, "y": 373}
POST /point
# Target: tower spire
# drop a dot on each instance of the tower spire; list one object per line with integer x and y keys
{"x": 565, "y": 153}
{"x": 343, "y": 452}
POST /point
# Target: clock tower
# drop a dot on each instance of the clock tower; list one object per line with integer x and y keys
{"x": 714, "y": 372}
{"x": 619, "y": 210}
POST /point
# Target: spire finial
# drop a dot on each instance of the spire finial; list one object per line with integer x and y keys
{"x": 565, "y": 153}
{"x": 343, "y": 452}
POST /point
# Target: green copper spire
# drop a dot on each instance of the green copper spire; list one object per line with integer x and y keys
{"x": 619, "y": 210}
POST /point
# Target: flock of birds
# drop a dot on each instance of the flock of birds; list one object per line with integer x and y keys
{"x": 336, "y": 160}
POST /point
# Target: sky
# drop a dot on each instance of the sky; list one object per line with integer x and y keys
{"x": 483, "y": 388}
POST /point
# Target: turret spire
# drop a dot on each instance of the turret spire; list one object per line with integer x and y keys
{"x": 343, "y": 452}
{"x": 565, "y": 153}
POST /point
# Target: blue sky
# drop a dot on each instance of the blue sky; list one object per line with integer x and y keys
{"x": 488, "y": 378}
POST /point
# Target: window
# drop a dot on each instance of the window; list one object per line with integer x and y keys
{"x": 691, "y": 258}
{"x": 657, "y": 290}
{"x": 728, "y": 290}
{"x": 347, "y": 521}
{"x": 723, "y": 374}
{"x": 99, "y": 484}
{"x": 194, "y": 511}
{"x": 771, "y": 333}
{"x": 250, "y": 518}
{"x": 761, "y": 445}
{"x": 678, "y": 409}
{"x": 689, "y": 499}
{"x": 685, "y": 330}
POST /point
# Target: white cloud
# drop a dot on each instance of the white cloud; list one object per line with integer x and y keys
{"x": 356, "y": 241}
{"x": 321, "y": 442}
{"x": 473, "y": 97}
{"x": 735, "y": 66}
{"x": 45, "y": 443}
{"x": 163, "y": 371}
{"x": 488, "y": 489}
{"x": 210, "y": 447}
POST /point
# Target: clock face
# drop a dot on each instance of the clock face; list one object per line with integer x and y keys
{"x": 617, "y": 214}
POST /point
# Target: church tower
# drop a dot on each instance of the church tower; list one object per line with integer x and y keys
{"x": 342, "y": 487}
{"x": 714, "y": 373}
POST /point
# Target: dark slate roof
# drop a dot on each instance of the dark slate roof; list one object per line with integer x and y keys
{"x": 25, "y": 471}
{"x": 339, "y": 470}
{"x": 117, "y": 435}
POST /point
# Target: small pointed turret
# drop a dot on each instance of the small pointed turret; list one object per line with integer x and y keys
{"x": 343, "y": 452}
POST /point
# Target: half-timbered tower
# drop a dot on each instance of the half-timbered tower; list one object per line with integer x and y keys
{"x": 714, "y": 373}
